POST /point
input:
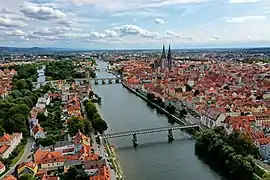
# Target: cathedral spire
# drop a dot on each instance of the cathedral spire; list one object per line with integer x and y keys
{"x": 163, "y": 56}
{"x": 169, "y": 58}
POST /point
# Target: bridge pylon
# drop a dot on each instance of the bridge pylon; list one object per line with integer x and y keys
{"x": 170, "y": 136}
{"x": 135, "y": 141}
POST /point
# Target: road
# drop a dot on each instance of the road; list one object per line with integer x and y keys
{"x": 101, "y": 151}
{"x": 24, "y": 157}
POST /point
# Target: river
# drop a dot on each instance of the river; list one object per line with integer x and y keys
{"x": 155, "y": 158}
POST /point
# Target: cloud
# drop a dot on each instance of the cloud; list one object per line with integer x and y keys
{"x": 245, "y": 19}
{"x": 41, "y": 12}
{"x": 159, "y": 21}
{"x": 243, "y": 1}
{"x": 97, "y": 35}
{"x": 16, "y": 32}
{"x": 129, "y": 29}
{"x": 111, "y": 33}
{"x": 119, "y": 5}
{"x": 8, "y": 22}
{"x": 215, "y": 37}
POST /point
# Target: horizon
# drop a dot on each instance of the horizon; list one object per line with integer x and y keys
{"x": 136, "y": 24}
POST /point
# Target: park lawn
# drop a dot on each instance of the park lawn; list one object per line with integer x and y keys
{"x": 16, "y": 159}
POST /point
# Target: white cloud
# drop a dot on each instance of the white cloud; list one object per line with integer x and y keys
{"x": 159, "y": 21}
{"x": 119, "y": 5}
{"x": 129, "y": 29}
{"x": 245, "y": 19}
{"x": 18, "y": 32}
{"x": 111, "y": 33}
{"x": 215, "y": 37}
{"x": 8, "y": 22}
{"x": 95, "y": 34}
{"x": 41, "y": 12}
{"x": 243, "y": 1}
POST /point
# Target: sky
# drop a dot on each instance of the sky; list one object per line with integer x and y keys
{"x": 114, "y": 24}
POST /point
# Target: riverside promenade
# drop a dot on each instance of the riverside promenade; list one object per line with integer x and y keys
{"x": 177, "y": 119}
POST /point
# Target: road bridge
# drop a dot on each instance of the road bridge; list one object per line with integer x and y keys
{"x": 134, "y": 133}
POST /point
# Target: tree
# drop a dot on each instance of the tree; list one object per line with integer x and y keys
{"x": 75, "y": 174}
{"x": 27, "y": 177}
{"x": 20, "y": 84}
{"x": 41, "y": 117}
{"x": 170, "y": 108}
{"x": 75, "y": 124}
{"x": 99, "y": 125}
{"x": 19, "y": 109}
{"x": 90, "y": 109}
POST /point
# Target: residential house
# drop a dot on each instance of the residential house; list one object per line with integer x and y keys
{"x": 213, "y": 117}
{"x": 9, "y": 177}
{"x": 103, "y": 173}
{"x": 48, "y": 160}
{"x": 92, "y": 167}
{"x": 47, "y": 177}
{"x": 265, "y": 152}
{"x": 65, "y": 147}
{"x": 27, "y": 168}
{"x": 8, "y": 143}
{"x": 37, "y": 132}
{"x": 261, "y": 118}
{"x": 2, "y": 167}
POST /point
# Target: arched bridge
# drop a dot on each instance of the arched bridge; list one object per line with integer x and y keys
{"x": 147, "y": 131}
{"x": 100, "y": 80}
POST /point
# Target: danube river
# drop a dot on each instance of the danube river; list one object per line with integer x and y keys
{"x": 155, "y": 158}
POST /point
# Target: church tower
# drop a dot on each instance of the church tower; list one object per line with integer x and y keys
{"x": 163, "y": 58}
{"x": 169, "y": 59}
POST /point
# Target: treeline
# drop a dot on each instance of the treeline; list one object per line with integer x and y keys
{"x": 57, "y": 70}
{"x": 15, "y": 108}
{"x": 97, "y": 122}
{"x": 232, "y": 153}
{"x": 170, "y": 108}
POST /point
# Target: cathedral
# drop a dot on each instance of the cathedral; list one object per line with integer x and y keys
{"x": 164, "y": 62}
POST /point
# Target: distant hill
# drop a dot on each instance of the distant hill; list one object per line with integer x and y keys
{"x": 30, "y": 50}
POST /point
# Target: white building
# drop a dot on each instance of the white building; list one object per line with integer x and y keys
{"x": 212, "y": 118}
{"x": 8, "y": 143}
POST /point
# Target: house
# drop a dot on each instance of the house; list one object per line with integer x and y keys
{"x": 27, "y": 168}
{"x": 265, "y": 152}
{"x": 103, "y": 173}
{"x": 65, "y": 147}
{"x": 8, "y": 143}
{"x": 37, "y": 132}
{"x": 9, "y": 177}
{"x": 46, "y": 177}
{"x": 261, "y": 118}
{"x": 92, "y": 167}
{"x": 213, "y": 117}
{"x": 49, "y": 160}
{"x": 2, "y": 167}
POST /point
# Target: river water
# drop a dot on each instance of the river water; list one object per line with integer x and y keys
{"x": 154, "y": 158}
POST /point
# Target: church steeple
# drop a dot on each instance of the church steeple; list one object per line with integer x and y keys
{"x": 163, "y": 58}
{"x": 169, "y": 58}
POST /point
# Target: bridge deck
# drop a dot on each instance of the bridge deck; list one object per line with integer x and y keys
{"x": 146, "y": 131}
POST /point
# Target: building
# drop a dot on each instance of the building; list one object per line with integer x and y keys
{"x": 2, "y": 167}
{"x": 9, "y": 177}
{"x": 8, "y": 143}
{"x": 65, "y": 147}
{"x": 212, "y": 117}
{"x": 27, "y": 168}
{"x": 265, "y": 152}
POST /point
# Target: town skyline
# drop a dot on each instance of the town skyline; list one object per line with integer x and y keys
{"x": 136, "y": 24}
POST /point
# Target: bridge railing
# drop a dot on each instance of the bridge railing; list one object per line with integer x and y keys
{"x": 145, "y": 131}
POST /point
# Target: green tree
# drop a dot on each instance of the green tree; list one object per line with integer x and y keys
{"x": 27, "y": 177}
{"x": 21, "y": 84}
{"x": 75, "y": 124}
{"x": 41, "y": 117}
{"x": 19, "y": 109}
{"x": 100, "y": 125}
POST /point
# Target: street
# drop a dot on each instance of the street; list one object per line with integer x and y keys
{"x": 24, "y": 157}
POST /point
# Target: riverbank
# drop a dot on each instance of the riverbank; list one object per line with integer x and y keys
{"x": 114, "y": 160}
{"x": 175, "y": 118}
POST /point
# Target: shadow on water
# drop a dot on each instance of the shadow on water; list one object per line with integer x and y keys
{"x": 154, "y": 143}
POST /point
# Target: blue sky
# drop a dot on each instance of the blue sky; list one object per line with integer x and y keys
{"x": 102, "y": 24}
